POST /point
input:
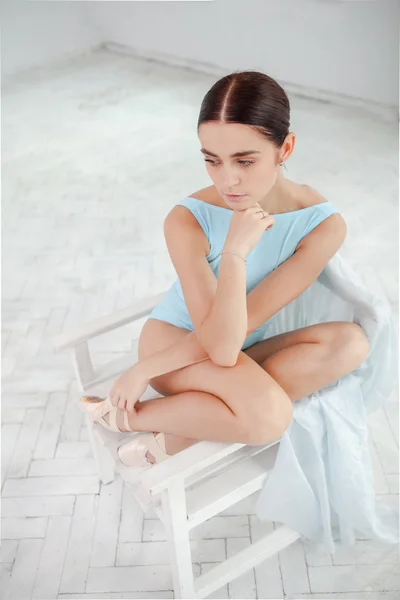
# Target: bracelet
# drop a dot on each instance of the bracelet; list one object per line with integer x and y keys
{"x": 234, "y": 254}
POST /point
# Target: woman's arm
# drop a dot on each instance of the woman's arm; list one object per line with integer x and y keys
{"x": 279, "y": 288}
{"x": 227, "y": 320}
{"x": 284, "y": 284}
{"x": 225, "y": 327}
{"x": 297, "y": 273}
{"x": 185, "y": 352}
{"x": 217, "y": 307}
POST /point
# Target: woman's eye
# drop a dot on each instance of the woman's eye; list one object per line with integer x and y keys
{"x": 245, "y": 163}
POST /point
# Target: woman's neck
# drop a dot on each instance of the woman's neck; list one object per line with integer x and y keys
{"x": 281, "y": 197}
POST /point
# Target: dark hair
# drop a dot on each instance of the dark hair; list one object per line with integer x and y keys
{"x": 250, "y": 98}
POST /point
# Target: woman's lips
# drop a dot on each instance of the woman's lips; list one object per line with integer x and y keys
{"x": 234, "y": 198}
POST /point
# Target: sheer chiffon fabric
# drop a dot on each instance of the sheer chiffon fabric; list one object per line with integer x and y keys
{"x": 322, "y": 483}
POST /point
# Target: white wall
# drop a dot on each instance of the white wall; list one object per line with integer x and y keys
{"x": 348, "y": 48}
{"x": 319, "y": 47}
{"x": 35, "y": 34}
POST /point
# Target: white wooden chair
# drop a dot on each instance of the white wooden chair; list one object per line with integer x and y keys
{"x": 188, "y": 488}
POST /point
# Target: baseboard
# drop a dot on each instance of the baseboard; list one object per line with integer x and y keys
{"x": 387, "y": 112}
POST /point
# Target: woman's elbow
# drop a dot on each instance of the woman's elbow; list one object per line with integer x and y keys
{"x": 223, "y": 355}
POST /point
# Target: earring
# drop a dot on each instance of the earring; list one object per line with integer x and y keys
{"x": 282, "y": 164}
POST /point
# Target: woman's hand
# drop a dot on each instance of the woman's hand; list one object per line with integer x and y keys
{"x": 128, "y": 388}
{"x": 246, "y": 229}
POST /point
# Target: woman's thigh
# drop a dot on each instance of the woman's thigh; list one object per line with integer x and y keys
{"x": 335, "y": 335}
{"x": 246, "y": 388}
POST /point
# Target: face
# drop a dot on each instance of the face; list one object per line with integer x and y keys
{"x": 253, "y": 174}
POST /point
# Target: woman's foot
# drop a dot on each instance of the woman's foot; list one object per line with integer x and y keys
{"x": 102, "y": 412}
{"x": 120, "y": 420}
{"x": 173, "y": 443}
{"x": 120, "y": 424}
{"x": 164, "y": 445}
{"x": 143, "y": 450}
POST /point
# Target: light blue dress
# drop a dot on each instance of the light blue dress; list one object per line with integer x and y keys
{"x": 276, "y": 245}
{"x": 322, "y": 483}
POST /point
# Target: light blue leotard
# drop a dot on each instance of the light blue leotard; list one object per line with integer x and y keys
{"x": 276, "y": 245}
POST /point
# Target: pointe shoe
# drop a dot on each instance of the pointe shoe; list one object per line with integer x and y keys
{"x": 96, "y": 408}
{"x": 133, "y": 453}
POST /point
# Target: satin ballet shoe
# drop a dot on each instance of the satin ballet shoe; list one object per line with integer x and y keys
{"x": 133, "y": 453}
{"x": 96, "y": 408}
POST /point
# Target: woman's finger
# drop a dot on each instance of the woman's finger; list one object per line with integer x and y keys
{"x": 130, "y": 404}
{"x": 115, "y": 399}
{"x": 269, "y": 221}
{"x": 114, "y": 395}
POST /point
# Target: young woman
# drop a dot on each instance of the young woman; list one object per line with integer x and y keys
{"x": 243, "y": 248}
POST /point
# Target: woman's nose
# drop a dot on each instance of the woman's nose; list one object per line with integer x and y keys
{"x": 230, "y": 179}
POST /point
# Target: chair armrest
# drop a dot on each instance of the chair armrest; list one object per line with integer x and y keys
{"x": 185, "y": 464}
{"x": 107, "y": 323}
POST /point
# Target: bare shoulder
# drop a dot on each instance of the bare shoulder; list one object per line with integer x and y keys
{"x": 209, "y": 195}
{"x": 332, "y": 230}
{"x": 313, "y": 198}
{"x": 310, "y": 196}
{"x": 180, "y": 216}
{"x": 181, "y": 228}
{"x": 200, "y": 194}
{"x": 203, "y": 194}
{"x": 180, "y": 219}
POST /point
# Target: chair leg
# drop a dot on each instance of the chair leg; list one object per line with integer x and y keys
{"x": 104, "y": 461}
{"x": 173, "y": 503}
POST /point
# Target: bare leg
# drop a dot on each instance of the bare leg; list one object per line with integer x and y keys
{"x": 301, "y": 362}
{"x": 209, "y": 402}
{"x": 308, "y": 359}
{"x": 331, "y": 351}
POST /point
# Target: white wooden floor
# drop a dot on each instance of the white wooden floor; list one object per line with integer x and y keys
{"x": 94, "y": 156}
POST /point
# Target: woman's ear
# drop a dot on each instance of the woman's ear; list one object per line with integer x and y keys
{"x": 288, "y": 146}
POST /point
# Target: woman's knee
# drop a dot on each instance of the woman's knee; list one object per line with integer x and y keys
{"x": 351, "y": 344}
{"x": 271, "y": 419}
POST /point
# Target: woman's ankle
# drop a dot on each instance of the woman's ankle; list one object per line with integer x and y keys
{"x": 177, "y": 443}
